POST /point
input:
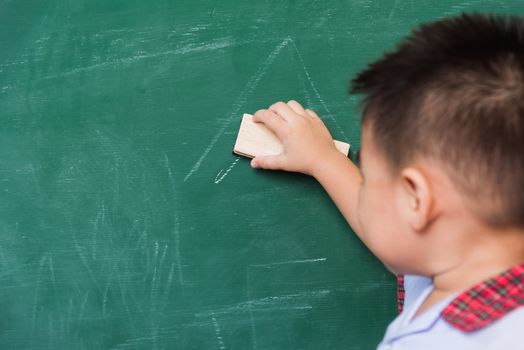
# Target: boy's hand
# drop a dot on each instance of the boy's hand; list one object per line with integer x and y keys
{"x": 306, "y": 140}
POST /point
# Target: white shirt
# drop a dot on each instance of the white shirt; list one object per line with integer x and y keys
{"x": 429, "y": 331}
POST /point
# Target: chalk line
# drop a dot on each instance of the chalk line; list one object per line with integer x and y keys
{"x": 86, "y": 265}
{"x": 177, "y": 251}
{"x": 163, "y": 255}
{"x": 218, "y": 333}
{"x": 241, "y": 99}
{"x": 393, "y": 9}
{"x": 123, "y": 292}
{"x": 254, "y": 340}
{"x": 108, "y": 286}
{"x": 53, "y": 277}
{"x": 155, "y": 256}
{"x": 315, "y": 90}
{"x": 218, "y": 44}
{"x": 176, "y": 230}
{"x": 82, "y": 309}
{"x": 153, "y": 288}
{"x": 169, "y": 281}
{"x": 305, "y": 261}
{"x": 36, "y": 296}
{"x": 273, "y": 303}
{"x": 220, "y": 176}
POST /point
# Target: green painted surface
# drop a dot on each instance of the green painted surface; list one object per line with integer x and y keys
{"x": 126, "y": 222}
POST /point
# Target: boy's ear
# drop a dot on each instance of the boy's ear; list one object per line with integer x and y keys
{"x": 417, "y": 198}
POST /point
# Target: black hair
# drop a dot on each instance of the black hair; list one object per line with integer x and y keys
{"x": 453, "y": 92}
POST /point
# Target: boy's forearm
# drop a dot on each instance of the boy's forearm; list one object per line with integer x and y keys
{"x": 341, "y": 179}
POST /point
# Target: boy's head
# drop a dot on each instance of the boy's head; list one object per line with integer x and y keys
{"x": 453, "y": 92}
{"x": 452, "y": 95}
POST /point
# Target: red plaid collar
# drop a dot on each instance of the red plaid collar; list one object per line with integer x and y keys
{"x": 485, "y": 302}
{"x": 401, "y": 293}
{"x": 488, "y": 301}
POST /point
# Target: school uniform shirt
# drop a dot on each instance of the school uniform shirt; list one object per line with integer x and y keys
{"x": 487, "y": 316}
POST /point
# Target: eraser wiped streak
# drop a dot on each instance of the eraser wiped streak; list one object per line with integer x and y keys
{"x": 255, "y": 139}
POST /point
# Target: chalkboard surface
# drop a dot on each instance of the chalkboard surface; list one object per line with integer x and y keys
{"x": 125, "y": 220}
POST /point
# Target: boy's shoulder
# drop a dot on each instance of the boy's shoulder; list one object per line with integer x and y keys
{"x": 488, "y": 316}
{"x": 430, "y": 332}
{"x": 505, "y": 333}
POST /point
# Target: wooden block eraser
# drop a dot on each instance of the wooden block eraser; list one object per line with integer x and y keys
{"x": 255, "y": 139}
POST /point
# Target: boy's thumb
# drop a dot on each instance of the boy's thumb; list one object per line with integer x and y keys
{"x": 267, "y": 162}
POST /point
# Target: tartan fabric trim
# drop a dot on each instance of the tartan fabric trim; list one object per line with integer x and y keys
{"x": 487, "y": 301}
{"x": 401, "y": 292}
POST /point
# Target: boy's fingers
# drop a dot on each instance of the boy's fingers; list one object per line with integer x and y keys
{"x": 257, "y": 115}
{"x": 312, "y": 114}
{"x": 273, "y": 121}
{"x": 268, "y": 162}
{"x": 297, "y": 107}
{"x": 283, "y": 110}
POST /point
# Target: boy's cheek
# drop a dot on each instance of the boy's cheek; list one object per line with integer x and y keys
{"x": 368, "y": 213}
{"x": 375, "y": 214}
{"x": 368, "y": 206}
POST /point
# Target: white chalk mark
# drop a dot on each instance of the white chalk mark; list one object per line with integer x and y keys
{"x": 297, "y": 301}
{"x": 100, "y": 218}
{"x": 104, "y": 299}
{"x": 169, "y": 281}
{"x": 241, "y": 99}
{"x": 177, "y": 251}
{"x": 306, "y": 261}
{"x": 142, "y": 237}
{"x": 105, "y": 296}
{"x": 69, "y": 313}
{"x": 176, "y": 230}
{"x": 169, "y": 172}
{"x": 163, "y": 256}
{"x": 53, "y": 278}
{"x": 106, "y": 290}
{"x": 393, "y": 9}
{"x": 153, "y": 288}
{"x": 220, "y": 176}
{"x": 82, "y": 309}
{"x": 307, "y": 95}
{"x": 218, "y": 44}
{"x": 123, "y": 292}
{"x": 86, "y": 265}
{"x": 218, "y": 333}
{"x": 35, "y": 299}
{"x": 52, "y": 270}
{"x": 156, "y": 252}
{"x": 35, "y": 178}
{"x": 315, "y": 90}
{"x": 251, "y": 316}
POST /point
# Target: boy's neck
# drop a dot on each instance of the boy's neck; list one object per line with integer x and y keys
{"x": 492, "y": 254}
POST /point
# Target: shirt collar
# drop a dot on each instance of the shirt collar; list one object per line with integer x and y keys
{"x": 487, "y": 301}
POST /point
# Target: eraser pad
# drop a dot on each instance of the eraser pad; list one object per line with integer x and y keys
{"x": 255, "y": 139}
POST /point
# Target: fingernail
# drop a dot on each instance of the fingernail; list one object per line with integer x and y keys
{"x": 254, "y": 163}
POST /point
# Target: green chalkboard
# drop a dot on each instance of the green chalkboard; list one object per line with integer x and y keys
{"x": 125, "y": 220}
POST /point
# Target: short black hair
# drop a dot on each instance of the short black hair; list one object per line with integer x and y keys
{"x": 453, "y": 92}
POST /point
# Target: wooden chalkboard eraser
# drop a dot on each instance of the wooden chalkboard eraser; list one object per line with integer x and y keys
{"x": 255, "y": 139}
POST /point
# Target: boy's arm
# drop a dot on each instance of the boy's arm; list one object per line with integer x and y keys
{"x": 341, "y": 179}
{"x": 309, "y": 149}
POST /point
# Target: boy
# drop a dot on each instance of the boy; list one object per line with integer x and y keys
{"x": 438, "y": 196}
